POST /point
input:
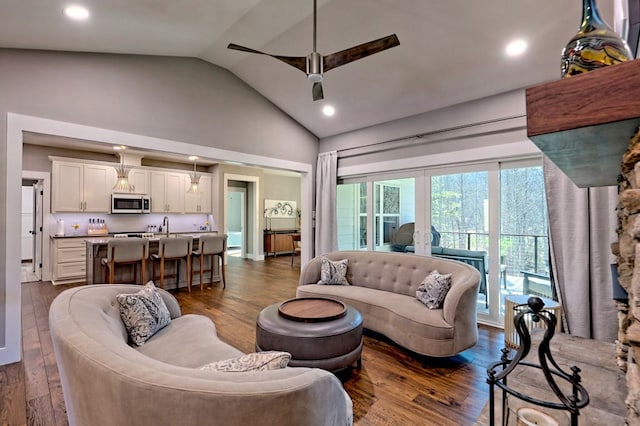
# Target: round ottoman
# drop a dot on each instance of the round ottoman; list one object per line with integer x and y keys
{"x": 333, "y": 344}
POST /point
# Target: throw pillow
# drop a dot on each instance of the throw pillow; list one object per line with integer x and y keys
{"x": 257, "y": 361}
{"x": 433, "y": 289}
{"x": 333, "y": 272}
{"x": 143, "y": 313}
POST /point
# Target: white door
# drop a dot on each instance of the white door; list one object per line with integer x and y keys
{"x": 38, "y": 213}
{"x": 27, "y": 224}
{"x": 236, "y": 221}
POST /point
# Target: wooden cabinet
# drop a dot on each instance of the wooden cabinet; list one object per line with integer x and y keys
{"x": 167, "y": 192}
{"x": 201, "y": 202}
{"x": 78, "y": 187}
{"x": 278, "y": 242}
{"x": 69, "y": 260}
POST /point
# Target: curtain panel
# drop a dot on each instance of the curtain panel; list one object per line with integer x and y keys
{"x": 582, "y": 223}
{"x": 326, "y": 216}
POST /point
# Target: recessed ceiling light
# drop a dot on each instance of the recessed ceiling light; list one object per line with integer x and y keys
{"x": 193, "y": 157}
{"x": 516, "y": 47}
{"x": 79, "y": 13}
{"x": 328, "y": 110}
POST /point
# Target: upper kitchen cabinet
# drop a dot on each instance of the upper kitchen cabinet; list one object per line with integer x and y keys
{"x": 78, "y": 187}
{"x": 139, "y": 178}
{"x": 167, "y": 192}
{"x": 200, "y": 202}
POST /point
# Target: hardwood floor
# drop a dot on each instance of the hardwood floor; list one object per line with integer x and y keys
{"x": 393, "y": 387}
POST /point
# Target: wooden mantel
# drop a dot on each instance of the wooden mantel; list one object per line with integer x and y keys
{"x": 584, "y": 123}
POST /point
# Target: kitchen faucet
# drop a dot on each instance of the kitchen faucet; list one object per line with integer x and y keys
{"x": 165, "y": 223}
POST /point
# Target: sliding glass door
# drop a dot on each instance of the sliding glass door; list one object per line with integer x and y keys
{"x": 491, "y": 216}
{"x": 460, "y": 217}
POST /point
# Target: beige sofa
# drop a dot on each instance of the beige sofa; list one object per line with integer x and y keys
{"x": 383, "y": 288}
{"x": 107, "y": 382}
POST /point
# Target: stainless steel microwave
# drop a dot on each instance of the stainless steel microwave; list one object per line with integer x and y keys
{"x": 130, "y": 203}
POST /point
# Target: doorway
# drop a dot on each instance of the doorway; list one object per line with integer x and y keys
{"x": 236, "y": 218}
{"x": 31, "y": 231}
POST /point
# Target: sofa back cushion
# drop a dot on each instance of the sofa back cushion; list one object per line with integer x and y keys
{"x": 395, "y": 272}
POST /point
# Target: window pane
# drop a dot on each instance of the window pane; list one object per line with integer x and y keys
{"x": 395, "y": 206}
{"x": 524, "y": 243}
{"x": 459, "y": 214}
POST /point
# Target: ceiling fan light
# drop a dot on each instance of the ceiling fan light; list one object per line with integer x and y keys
{"x": 314, "y": 78}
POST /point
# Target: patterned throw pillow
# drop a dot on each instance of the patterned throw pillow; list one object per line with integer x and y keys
{"x": 333, "y": 272}
{"x": 143, "y": 313}
{"x": 433, "y": 289}
{"x": 257, "y": 361}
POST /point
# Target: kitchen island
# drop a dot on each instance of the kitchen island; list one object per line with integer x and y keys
{"x": 96, "y": 250}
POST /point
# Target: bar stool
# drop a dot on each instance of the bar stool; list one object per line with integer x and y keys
{"x": 214, "y": 246}
{"x": 126, "y": 251}
{"x": 177, "y": 249}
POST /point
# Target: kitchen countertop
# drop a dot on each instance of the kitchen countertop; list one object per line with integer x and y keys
{"x": 106, "y": 238}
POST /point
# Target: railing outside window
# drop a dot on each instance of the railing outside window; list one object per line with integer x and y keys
{"x": 519, "y": 252}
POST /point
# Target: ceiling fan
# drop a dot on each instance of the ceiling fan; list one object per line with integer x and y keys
{"x": 314, "y": 64}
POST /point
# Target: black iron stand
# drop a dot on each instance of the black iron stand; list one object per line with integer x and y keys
{"x": 497, "y": 372}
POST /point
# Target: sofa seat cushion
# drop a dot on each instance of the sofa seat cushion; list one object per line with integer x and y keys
{"x": 380, "y": 308}
{"x": 188, "y": 341}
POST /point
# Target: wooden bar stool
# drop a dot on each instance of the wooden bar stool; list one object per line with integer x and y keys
{"x": 126, "y": 251}
{"x": 173, "y": 249}
{"x": 214, "y": 246}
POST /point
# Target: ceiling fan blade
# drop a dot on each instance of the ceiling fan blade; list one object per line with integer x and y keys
{"x": 363, "y": 50}
{"x": 317, "y": 92}
{"x": 299, "y": 62}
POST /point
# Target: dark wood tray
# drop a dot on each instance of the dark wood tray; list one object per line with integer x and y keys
{"x": 312, "y": 309}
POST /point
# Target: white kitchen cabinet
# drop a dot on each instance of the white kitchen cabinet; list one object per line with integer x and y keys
{"x": 201, "y": 202}
{"x": 78, "y": 187}
{"x": 69, "y": 260}
{"x": 167, "y": 192}
{"x": 140, "y": 180}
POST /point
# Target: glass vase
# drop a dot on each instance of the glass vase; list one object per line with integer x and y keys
{"x": 595, "y": 45}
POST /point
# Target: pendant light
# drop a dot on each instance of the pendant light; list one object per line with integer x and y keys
{"x": 122, "y": 181}
{"x": 194, "y": 188}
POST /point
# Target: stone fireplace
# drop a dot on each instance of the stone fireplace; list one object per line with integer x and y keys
{"x": 627, "y": 250}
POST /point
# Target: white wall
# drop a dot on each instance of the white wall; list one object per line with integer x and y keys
{"x": 490, "y": 128}
{"x": 180, "y": 105}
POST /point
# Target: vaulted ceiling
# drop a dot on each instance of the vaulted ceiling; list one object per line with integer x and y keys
{"x": 450, "y": 51}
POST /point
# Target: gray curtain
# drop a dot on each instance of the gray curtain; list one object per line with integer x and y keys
{"x": 326, "y": 222}
{"x": 582, "y": 223}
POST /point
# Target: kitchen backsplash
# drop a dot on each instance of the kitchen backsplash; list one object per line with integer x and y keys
{"x": 131, "y": 223}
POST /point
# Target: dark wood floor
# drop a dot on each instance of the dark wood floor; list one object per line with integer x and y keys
{"x": 392, "y": 388}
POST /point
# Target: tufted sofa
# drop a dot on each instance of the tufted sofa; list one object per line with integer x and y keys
{"x": 107, "y": 382}
{"x": 383, "y": 288}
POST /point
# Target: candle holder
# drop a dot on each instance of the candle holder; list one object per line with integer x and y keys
{"x": 498, "y": 372}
